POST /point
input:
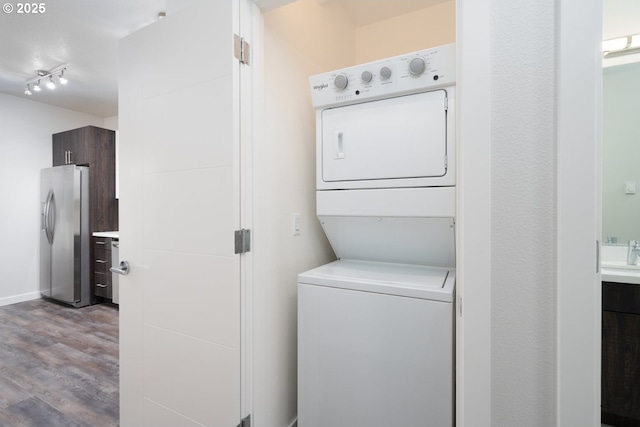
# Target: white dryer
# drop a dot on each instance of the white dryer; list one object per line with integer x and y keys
{"x": 376, "y": 327}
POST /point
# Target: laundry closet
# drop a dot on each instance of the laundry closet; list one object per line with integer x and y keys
{"x": 301, "y": 39}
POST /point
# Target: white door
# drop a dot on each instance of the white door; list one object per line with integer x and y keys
{"x": 179, "y": 207}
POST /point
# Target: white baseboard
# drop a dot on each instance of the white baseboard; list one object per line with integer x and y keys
{"x": 19, "y": 298}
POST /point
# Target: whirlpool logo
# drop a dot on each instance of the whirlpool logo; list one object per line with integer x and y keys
{"x": 320, "y": 87}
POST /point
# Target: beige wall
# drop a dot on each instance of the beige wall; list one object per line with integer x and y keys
{"x": 300, "y": 39}
{"x": 321, "y": 35}
{"x": 429, "y": 27}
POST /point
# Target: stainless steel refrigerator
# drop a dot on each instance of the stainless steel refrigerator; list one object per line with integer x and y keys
{"x": 64, "y": 234}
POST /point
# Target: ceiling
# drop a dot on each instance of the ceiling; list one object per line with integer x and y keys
{"x": 84, "y": 34}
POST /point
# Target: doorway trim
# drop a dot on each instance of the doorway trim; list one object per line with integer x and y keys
{"x": 578, "y": 126}
{"x": 473, "y": 325}
{"x": 249, "y": 27}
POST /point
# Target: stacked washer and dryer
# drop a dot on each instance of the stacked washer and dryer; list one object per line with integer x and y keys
{"x": 376, "y": 327}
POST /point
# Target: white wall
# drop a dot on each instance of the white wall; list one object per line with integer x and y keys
{"x": 523, "y": 213}
{"x": 508, "y": 215}
{"x": 26, "y": 147}
{"x": 111, "y": 123}
{"x": 621, "y": 152}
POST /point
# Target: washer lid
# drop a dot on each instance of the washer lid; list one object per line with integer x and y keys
{"x": 416, "y": 281}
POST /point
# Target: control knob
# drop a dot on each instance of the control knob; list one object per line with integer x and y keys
{"x": 385, "y": 72}
{"x": 417, "y": 66}
{"x": 341, "y": 81}
{"x": 366, "y": 76}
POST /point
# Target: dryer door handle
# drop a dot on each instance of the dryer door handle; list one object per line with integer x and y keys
{"x": 338, "y": 144}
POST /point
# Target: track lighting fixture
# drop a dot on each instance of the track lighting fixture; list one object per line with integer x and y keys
{"x": 34, "y": 82}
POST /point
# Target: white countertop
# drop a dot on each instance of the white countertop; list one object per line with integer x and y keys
{"x": 621, "y": 275}
{"x": 615, "y": 268}
{"x": 111, "y": 234}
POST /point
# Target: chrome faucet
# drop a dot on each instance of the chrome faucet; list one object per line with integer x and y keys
{"x": 632, "y": 252}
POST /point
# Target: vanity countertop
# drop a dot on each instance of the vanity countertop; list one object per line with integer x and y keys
{"x": 111, "y": 234}
{"x": 615, "y": 268}
{"x": 621, "y": 275}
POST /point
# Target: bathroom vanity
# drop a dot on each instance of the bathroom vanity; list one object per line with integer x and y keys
{"x": 620, "y": 353}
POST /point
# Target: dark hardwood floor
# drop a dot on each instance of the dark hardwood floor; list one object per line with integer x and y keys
{"x": 58, "y": 365}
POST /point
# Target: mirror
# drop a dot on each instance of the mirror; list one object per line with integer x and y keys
{"x": 621, "y": 154}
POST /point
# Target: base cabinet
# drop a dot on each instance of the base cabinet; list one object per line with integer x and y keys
{"x": 102, "y": 286}
{"x": 621, "y": 354}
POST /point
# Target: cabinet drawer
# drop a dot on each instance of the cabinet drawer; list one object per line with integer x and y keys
{"x": 104, "y": 279}
{"x": 102, "y": 243}
{"x": 621, "y": 297}
{"x": 102, "y": 262}
{"x": 102, "y": 287}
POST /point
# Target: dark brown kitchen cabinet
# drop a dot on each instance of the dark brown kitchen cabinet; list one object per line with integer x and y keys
{"x": 71, "y": 148}
{"x": 620, "y": 354}
{"x": 93, "y": 147}
{"x": 102, "y": 264}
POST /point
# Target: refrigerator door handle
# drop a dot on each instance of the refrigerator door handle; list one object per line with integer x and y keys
{"x": 45, "y": 206}
{"x": 52, "y": 216}
{"x": 49, "y": 217}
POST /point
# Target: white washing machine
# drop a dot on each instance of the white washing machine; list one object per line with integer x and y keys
{"x": 375, "y": 345}
{"x": 376, "y": 327}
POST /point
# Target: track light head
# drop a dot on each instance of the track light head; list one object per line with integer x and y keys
{"x": 33, "y": 84}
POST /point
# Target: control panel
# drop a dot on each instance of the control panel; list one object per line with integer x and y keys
{"x": 409, "y": 73}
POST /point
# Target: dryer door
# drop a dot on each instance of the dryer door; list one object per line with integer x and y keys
{"x": 396, "y": 138}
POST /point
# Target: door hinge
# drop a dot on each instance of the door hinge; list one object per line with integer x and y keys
{"x": 242, "y": 241}
{"x": 241, "y": 49}
{"x": 446, "y": 103}
{"x": 246, "y": 421}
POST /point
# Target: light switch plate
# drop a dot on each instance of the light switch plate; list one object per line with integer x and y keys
{"x": 296, "y": 224}
{"x": 630, "y": 187}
